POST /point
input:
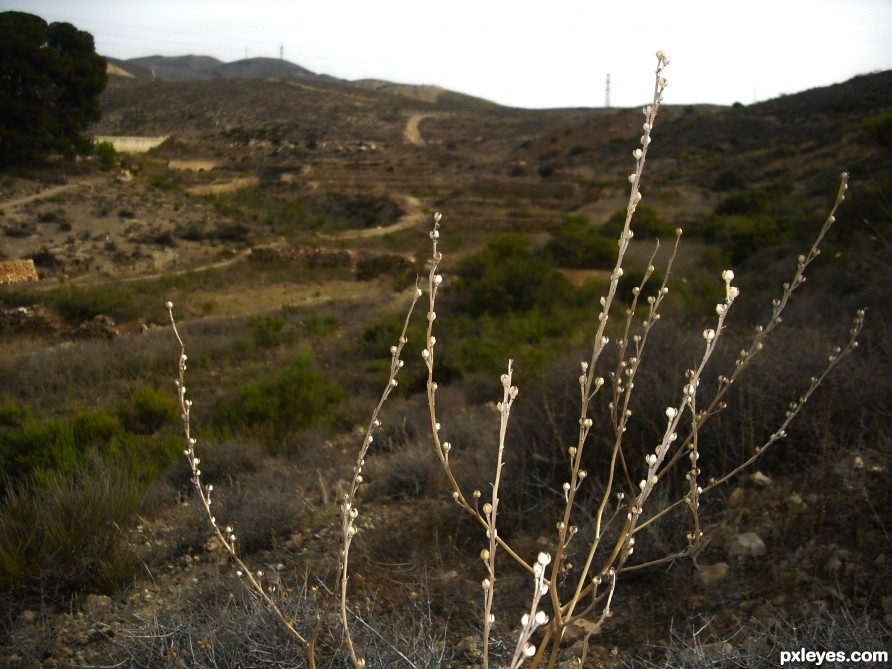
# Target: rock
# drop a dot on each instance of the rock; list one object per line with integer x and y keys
{"x": 100, "y": 326}
{"x": 98, "y": 632}
{"x": 706, "y": 654}
{"x": 576, "y": 634}
{"x": 760, "y": 480}
{"x": 26, "y": 319}
{"x": 840, "y": 559}
{"x": 97, "y": 604}
{"x": 713, "y": 574}
{"x": 470, "y": 646}
{"x": 595, "y": 656}
{"x": 833, "y": 565}
{"x": 17, "y": 271}
{"x": 696, "y": 602}
{"x": 747, "y": 544}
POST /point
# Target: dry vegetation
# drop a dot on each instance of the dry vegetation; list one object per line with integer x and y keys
{"x": 291, "y": 263}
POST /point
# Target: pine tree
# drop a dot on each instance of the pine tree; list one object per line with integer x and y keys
{"x": 50, "y": 82}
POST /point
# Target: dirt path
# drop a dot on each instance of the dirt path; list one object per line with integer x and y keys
{"x": 414, "y": 215}
{"x": 264, "y": 299}
{"x": 412, "y": 133}
{"x": 48, "y": 192}
{"x": 92, "y": 280}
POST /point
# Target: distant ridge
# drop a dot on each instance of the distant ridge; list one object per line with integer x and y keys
{"x": 196, "y": 68}
{"x": 207, "y": 68}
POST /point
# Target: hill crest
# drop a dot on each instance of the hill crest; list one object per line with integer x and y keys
{"x": 196, "y": 68}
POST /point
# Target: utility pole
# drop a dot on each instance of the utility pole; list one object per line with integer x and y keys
{"x": 607, "y": 93}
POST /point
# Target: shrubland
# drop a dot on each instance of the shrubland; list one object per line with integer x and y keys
{"x": 473, "y": 518}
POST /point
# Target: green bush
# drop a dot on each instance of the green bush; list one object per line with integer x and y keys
{"x": 358, "y": 211}
{"x": 46, "y": 259}
{"x": 42, "y": 448}
{"x": 879, "y": 128}
{"x": 295, "y": 398}
{"x": 106, "y": 154}
{"x": 480, "y": 353}
{"x": 77, "y": 304}
{"x": 149, "y": 411}
{"x": 739, "y": 235}
{"x": 647, "y": 225}
{"x": 728, "y": 179}
{"x": 374, "y": 349}
{"x": 508, "y": 275}
{"x": 12, "y": 415}
{"x": 163, "y": 181}
{"x": 746, "y": 202}
{"x": 37, "y": 450}
{"x": 266, "y": 331}
{"x": 632, "y": 278}
{"x": 320, "y": 325}
{"x": 37, "y": 446}
{"x": 578, "y": 245}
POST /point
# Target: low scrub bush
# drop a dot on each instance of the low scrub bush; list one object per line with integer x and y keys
{"x": 295, "y": 398}
{"x": 752, "y": 220}
{"x": 578, "y": 245}
{"x": 648, "y": 225}
{"x": 319, "y": 325}
{"x": 509, "y": 275}
{"x": 106, "y": 155}
{"x": 371, "y": 267}
{"x": 148, "y": 411}
{"x": 266, "y": 331}
{"x": 745, "y": 202}
{"x": 360, "y": 211}
{"x": 67, "y": 534}
{"x": 879, "y": 128}
{"x": 38, "y": 450}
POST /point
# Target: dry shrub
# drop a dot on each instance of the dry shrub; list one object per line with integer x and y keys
{"x": 66, "y": 535}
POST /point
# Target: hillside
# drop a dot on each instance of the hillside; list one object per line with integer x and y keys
{"x": 196, "y": 68}
{"x": 287, "y": 216}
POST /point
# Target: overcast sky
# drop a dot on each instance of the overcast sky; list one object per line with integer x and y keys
{"x": 525, "y": 53}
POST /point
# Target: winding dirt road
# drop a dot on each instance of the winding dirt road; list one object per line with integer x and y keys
{"x": 15, "y": 203}
{"x": 412, "y": 133}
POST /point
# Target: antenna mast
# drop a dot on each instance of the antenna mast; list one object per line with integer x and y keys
{"x": 607, "y": 93}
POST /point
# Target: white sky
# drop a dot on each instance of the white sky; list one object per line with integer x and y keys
{"x": 525, "y": 53}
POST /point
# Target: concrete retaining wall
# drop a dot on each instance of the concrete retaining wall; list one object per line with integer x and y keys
{"x": 228, "y": 187}
{"x": 192, "y": 165}
{"x": 131, "y": 144}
